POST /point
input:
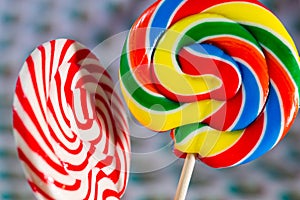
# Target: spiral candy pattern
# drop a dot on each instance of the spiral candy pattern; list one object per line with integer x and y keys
{"x": 69, "y": 125}
{"x": 223, "y": 75}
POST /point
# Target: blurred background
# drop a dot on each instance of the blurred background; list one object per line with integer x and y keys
{"x": 26, "y": 24}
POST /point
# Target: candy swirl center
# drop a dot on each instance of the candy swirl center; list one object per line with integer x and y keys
{"x": 207, "y": 56}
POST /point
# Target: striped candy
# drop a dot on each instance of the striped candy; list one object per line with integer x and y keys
{"x": 223, "y": 75}
{"x": 70, "y": 125}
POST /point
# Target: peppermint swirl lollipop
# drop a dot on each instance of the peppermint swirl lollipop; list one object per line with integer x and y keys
{"x": 223, "y": 75}
{"x": 70, "y": 126}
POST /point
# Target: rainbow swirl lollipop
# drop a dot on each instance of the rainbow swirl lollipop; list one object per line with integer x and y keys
{"x": 222, "y": 75}
{"x": 69, "y": 125}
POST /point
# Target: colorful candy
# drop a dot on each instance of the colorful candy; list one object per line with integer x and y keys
{"x": 223, "y": 75}
{"x": 70, "y": 125}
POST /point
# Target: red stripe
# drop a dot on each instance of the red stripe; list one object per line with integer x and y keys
{"x": 80, "y": 55}
{"x": 44, "y": 177}
{"x": 113, "y": 177}
{"x": 241, "y": 148}
{"x": 110, "y": 120}
{"x": 88, "y": 193}
{"x": 110, "y": 193}
{"x": 83, "y": 99}
{"x": 65, "y": 48}
{"x": 137, "y": 48}
{"x": 62, "y": 145}
{"x": 33, "y": 144}
{"x": 59, "y": 85}
{"x": 43, "y": 69}
{"x": 125, "y": 170}
{"x": 223, "y": 118}
{"x": 194, "y": 65}
{"x": 29, "y": 110}
{"x": 31, "y": 69}
{"x": 84, "y": 109}
{"x": 52, "y": 110}
{"x": 240, "y": 49}
{"x": 92, "y": 68}
{"x": 106, "y": 130}
{"x": 80, "y": 167}
{"x": 52, "y": 67}
{"x": 287, "y": 90}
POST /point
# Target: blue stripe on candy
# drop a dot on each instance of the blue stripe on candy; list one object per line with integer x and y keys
{"x": 208, "y": 49}
{"x": 273, "y": 126}
{"x": 161, "y": 19}
{"x": 250, "y": 109}
{"x": 211, "y": 50}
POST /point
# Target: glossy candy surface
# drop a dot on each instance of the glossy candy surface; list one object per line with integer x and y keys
{"x": 223, "y": 75}
{"x": 69, "y": 125}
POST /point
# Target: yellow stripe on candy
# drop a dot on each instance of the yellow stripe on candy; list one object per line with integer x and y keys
{"x": 208, "y": 142}
{"x": 167, "y": 120}
{"x": 247, "y": 13}
{"x": 166, "y": 66}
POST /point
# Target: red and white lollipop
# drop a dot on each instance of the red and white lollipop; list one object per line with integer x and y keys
{"x": 69, "y": 125}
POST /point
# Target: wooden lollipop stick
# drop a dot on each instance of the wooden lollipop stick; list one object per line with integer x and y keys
{"x": 185, "y": 177}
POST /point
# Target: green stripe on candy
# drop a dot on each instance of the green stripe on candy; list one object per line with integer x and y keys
{"x": 138, "y": 93}
{"x": 184, "y": 131}
{"x": 214, "y": 29}
{"x": 281, "y": 50}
